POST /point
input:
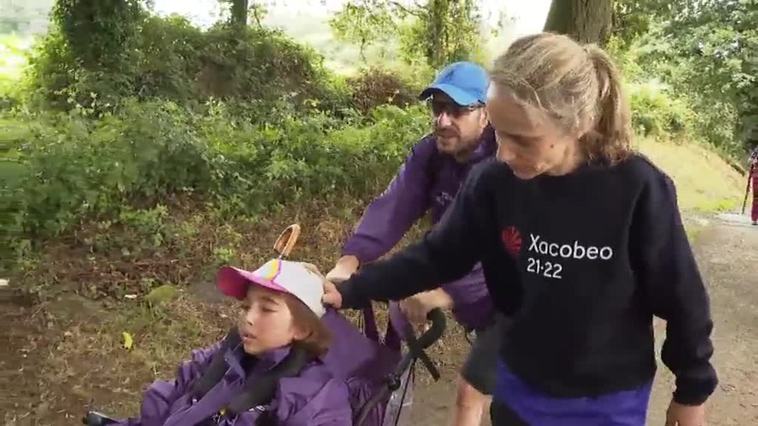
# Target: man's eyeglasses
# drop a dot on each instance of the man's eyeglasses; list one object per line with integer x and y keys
{"x": 451, "y": 109}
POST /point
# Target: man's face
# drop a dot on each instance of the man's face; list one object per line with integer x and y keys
{"x": 457, "y": 128}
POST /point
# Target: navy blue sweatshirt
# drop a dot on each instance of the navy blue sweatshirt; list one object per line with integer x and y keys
{"x": 581, "y": 263}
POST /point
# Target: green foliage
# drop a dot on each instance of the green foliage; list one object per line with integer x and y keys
{"x": 96, "y": 42}
{"x": 363, "y": 24}
{"x": 376, "y": 86}
{"x": 239, "y": 12}
{"x": 439, "y": 31}
{"x": 633, "y": 18}
{"x": 171, "y": 52}
{"x": 146, "y": 225}
{"x": 176, "y": 61}
{"x": 657, "y": 113}
{"x": 445, "y": 31}
{"x": 99, "y": 33}
{"x": 72, "y": 167}
{"x": 161, "y": 295}
{"x": 706, "y": 50}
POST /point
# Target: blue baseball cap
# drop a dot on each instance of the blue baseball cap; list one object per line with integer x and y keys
{"x": 465, "y": 82}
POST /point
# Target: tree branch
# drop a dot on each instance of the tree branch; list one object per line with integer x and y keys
{"x": 417, "y": 13}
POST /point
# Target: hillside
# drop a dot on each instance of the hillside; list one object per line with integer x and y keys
{"x": 705, "y": 182}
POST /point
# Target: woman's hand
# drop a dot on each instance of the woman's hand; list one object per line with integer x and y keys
{"x": 331, "y": 296}
{"x": 344, "y": 269}
{"x": 685, "y": 415}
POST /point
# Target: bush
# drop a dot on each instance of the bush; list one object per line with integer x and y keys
{"x": 684, "y": 100}
{"x": 71, "y": 167}
{"x": 173, "y": 60}
{"x": 657, "y": 113}
{"x": 375, "y": 86}
{"x": 171, "y": 50}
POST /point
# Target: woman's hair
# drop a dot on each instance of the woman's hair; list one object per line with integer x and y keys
{"x": 578, "y": 85}
{"x": 317, "y": 337}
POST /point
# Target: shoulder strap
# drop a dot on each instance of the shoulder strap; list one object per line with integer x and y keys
{"x": 262, "y": 390}
{"x": 217, "y": 367}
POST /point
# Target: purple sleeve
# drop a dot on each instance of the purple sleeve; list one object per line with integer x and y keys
{"x": 159, "y": 397}
{"x": 390, "y": 215}
{"x": 447, "y": 253}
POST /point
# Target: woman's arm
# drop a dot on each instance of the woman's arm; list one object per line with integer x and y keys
{"x": 666, "y": 270}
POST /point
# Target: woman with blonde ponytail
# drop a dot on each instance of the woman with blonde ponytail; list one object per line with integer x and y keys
{"x": 582, "y": 244}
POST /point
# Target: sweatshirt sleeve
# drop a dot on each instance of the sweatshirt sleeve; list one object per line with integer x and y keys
{"x": 446, "y": 253}
{"x": 668, "y": 274}
{"x": 390, "y": 215}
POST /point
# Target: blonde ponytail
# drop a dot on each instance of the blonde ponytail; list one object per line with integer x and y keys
{"x": 611, "y": 137}
{"x": 578, "y": 85}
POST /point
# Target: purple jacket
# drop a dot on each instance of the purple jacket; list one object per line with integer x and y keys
{"x": 314, "y": 397}
{"x": 428, "y": 180}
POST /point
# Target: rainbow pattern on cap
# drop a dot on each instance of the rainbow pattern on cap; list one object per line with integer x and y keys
{"x": 270, "y": 270}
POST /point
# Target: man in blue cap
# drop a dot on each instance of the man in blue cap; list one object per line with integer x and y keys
{"x": 428, "y": 181}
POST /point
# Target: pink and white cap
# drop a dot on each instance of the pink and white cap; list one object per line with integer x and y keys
{"x": 278, "y": 275}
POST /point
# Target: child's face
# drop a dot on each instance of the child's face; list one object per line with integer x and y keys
{"x": 265, "y": 321}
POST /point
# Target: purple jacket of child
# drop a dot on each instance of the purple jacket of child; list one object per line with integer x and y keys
{"x": 314, "y": 397}
{"x": 428, "y": 180}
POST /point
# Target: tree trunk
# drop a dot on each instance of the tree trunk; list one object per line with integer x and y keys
{"x": 587, "y": 21}
{"x": 239, "y": 12}
{"x": 438, "y": 35}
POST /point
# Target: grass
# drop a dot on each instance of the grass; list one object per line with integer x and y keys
{"x": 705, "y": 182}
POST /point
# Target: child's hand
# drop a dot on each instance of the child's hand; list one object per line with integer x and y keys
{"x": 685, "y": 415}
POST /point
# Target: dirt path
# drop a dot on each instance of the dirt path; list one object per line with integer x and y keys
{"x": 36, "y": 338}
{"x": 728, "y": 257}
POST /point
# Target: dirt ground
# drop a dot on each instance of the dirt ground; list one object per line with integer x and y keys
{"x": 62, "y": 356}
{"x": 728, "y": 257}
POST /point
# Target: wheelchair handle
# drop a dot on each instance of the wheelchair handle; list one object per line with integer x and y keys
{"x": 94, "y": 418}
{"x": 416, "y": 346}
{"x": 435, "y": 331}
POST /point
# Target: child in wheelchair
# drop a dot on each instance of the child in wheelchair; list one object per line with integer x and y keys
{"x": 278, "y": 344}
{"x": 289, "y": 362}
